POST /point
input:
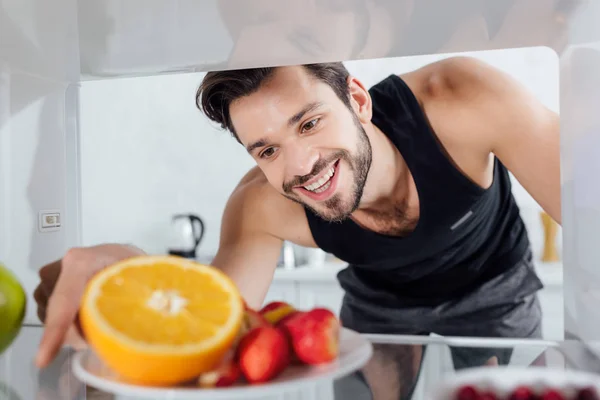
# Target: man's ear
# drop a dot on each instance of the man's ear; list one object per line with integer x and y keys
{"x": 360, "y": 100}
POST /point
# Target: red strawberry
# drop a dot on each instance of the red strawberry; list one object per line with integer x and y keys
{"x": 263, "y": 353}
{"x": 283, "y": 320}
{"x": 522, "y": 393}
{"x": 226, "y": 374}
{"x": 281, "y": 324}
{"x": 552, "y": 394}
{"x": 276, "y": 310}
{"x": 314, "y": 335}
{"x": 467, "y": 393}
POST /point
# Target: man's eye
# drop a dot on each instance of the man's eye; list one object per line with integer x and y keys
{"x": 310, "y": 125}
{"x": 267, "y": 152}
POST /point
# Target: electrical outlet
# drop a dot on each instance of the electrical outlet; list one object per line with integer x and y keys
{"x": 49, "y": 220}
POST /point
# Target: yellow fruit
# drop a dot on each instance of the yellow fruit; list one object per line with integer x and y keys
{"x": 13, "y": 303}
{"x": 161, "y": 320}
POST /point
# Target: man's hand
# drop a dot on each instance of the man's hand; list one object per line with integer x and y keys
{"x": 62, "y": 284}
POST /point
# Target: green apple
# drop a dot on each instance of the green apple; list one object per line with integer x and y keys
{"x": 13, "y": 302}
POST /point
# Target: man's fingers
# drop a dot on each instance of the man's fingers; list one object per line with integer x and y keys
{"x": 492, "y": 362}
{"x": 39, "y": 296}
{"x": 59, "y": 317}
{"x": 41, "y": 313}
{"x": 60, "y": 314}
{"x": 50, "y": 273}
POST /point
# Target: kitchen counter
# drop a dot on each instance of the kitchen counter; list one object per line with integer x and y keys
{"x": 551, "y": 274}
{"x": 21, "y": 380}
{"x": 308, "y": 286}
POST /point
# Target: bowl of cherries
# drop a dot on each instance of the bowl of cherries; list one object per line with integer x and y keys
{"x": 518, "y": 383}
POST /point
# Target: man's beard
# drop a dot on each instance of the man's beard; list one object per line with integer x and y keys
{"x": 335, "y": 209}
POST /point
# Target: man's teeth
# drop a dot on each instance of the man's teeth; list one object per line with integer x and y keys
{"x": 320, "y": 185}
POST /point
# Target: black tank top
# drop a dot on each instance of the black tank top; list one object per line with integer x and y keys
{"x": 465, "y": 234}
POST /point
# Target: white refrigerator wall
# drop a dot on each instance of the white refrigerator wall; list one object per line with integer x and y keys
{"x": 147, "y": 152}
{"x": 38, "y": 62}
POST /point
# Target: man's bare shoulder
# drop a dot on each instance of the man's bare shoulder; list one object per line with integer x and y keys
{"x": 462, "y": 98}
{"x": 258, "y": 206}
{"x": 457, "y": 79}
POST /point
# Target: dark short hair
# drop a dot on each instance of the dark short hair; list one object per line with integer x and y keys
{"x": 220, "y": 88}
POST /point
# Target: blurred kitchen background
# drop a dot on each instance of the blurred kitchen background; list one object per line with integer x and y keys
{"x": 148, "y": 154}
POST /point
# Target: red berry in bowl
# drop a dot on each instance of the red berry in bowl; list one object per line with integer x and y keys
{"x": 522, "y": 393}
{"x": 552, "y": 394}
{"x": 588, "y": 393}
{"x": 467, "y": 393}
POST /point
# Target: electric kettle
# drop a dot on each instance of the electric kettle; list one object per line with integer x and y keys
{"x": 187, "y": 231}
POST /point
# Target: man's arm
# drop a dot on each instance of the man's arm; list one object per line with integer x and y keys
{"x": 248, "y": 249}
{"x": 496, "y": 114}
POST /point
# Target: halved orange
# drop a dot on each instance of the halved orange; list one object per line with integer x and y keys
{"x": 161, "y": 320}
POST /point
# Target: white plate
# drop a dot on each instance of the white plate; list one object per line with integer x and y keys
{"x": 504, "y": 379}
{"x": 355, "y": 351}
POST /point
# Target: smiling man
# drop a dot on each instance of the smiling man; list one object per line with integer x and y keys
{"x": 408, "y": 182}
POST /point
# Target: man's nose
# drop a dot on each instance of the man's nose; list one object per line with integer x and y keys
{"x": 300, "y": 161}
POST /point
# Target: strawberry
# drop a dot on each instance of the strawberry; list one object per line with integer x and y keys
{"x": 226, "y": 374}
{"x": 522, "y": 393}
{"x": 281, "y": 324}
{"x": 552, "y": 394}
{"x": 263, "y": 353}
{"x": 276, "y": 310}
{"x": 314, "y": 335}
{"x": 283, "y": 320}
{"x": 467, "y": 393}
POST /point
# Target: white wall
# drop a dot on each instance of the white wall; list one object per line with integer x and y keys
{"x": 38, "y": 60}
{"x": 148, "y": 153}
